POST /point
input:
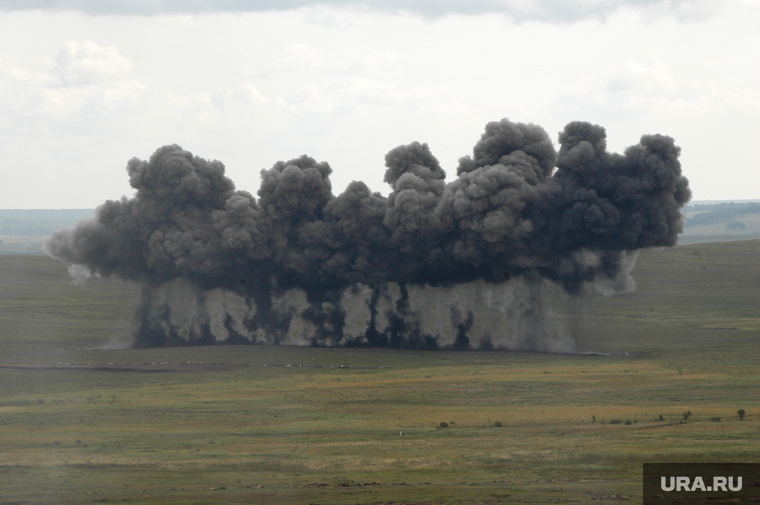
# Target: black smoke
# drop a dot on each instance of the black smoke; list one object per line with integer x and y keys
{"x": 516, "y": 210}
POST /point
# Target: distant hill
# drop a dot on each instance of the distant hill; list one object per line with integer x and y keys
{"x": 23, "y": 230}
{"x": 38, "y": 222}
{"x": 721, "y": 221}
{"x": 702, "y": 215}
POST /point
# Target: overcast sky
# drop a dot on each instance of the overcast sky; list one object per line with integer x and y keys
{"x": 87, "y": 85}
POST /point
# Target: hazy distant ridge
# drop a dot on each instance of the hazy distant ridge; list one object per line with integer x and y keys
{"x": 719, "y": 213}
{"x": 35, "y": 222}
{"x": 40, "y": 222}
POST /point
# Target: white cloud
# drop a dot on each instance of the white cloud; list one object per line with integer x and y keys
{"x": 357, "y": 93}
{"x": 84, "y": 63}
{"x": 300, "y": 58}
{"x": 346, "y": 86}
{"x": 631, "y": 77}
{"x": 688, "y": 11}
{"x": 243, "y": 96}
{"x": 84, "y": 80}
{"x": 121, "y": 94}
{"x": 558, "y": 11}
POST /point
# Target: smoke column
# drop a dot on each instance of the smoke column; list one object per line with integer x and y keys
{"x": 433, "y": 265}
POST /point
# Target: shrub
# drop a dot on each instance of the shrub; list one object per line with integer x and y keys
{"x": 686, "y": 415}
{"x": 741, "y": 414}
{"x": 444, "y": 424}
{"x": 498, "y": 424}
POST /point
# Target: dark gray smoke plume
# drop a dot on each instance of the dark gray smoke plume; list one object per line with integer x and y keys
{"x": 433, "y": 265}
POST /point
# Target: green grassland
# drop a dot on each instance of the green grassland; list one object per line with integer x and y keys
{"x": 228, "y": 424}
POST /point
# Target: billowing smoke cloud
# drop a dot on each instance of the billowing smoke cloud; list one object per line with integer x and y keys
{"x": 458, "y": 265}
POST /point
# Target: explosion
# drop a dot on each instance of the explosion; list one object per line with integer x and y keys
{"x": 434, "y": 265}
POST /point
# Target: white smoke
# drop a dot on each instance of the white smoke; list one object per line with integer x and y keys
{"x": 526, "y": 303}
{"x": 79, "y": 274}
{"x": 515, "y": 315}
{"x": 623, "y": 282}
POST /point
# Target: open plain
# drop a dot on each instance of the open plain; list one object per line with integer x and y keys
{"x": 83, "y": 420}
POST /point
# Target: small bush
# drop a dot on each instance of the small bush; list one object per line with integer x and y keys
{"x": 616, "y": 421}
{"x": 498, "y": 424}
{"x": 741, "y": 413}
{"x": 661, "y": 418}
{"x": 686, "y": 415}
{"x": 444, "y": 424}
{"x": 628, "y": 422}
{"x": 715, "y": 419}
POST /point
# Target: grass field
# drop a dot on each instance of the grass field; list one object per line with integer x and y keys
{"x": 230, "y": 424}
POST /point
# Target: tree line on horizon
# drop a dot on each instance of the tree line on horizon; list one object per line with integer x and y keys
{"x": 42, "y": 222}
{"x": 39, "y": 222}
{"x": 719, "y": 212}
